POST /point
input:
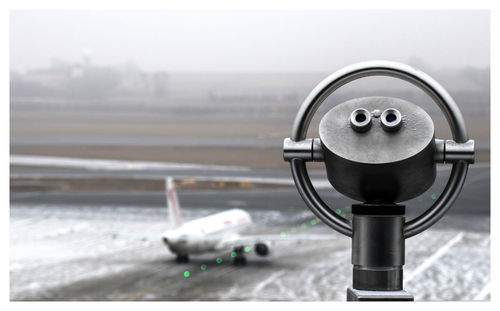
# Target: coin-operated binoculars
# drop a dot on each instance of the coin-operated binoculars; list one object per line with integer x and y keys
{"x": 380, "y": 151}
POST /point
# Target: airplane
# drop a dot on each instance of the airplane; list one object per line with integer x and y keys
{"x": 216, "y": 233}
{"x": 211, "y": 234}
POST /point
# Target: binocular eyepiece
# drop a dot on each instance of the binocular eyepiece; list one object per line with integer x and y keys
{"x": 361, "y": 119}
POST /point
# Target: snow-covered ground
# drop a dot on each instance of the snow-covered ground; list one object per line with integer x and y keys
{"x": 74, "y": 252}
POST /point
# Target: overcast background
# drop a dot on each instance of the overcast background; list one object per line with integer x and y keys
{"x": 122, "y": 80}
{"x": 249, "y": 41}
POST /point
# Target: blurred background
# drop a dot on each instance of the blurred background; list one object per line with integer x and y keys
{"x": 105, "y": 104}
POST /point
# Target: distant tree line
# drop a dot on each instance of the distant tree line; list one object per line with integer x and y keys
{"x": 87, "y": 82}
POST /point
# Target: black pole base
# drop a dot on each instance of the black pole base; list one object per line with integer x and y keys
{"x": 372, "y": 295}
{"x": 378, "y": 253}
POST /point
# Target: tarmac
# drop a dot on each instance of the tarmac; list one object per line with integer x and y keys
{"x": 74, "y": 245}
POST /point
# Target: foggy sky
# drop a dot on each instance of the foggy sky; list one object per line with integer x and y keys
{"x": 255, "y": 41}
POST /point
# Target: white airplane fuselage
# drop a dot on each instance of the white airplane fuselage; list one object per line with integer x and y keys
{"x": 213, "y": 233}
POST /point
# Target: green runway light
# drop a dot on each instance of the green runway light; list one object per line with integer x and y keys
{"x": 186, "y": 273}
{"x": 282, "y": 234}
{"x": 313, "y": 222}
{"x": 338, "y": 211}
{"x": 343, "y": 215}
{"x": 218, "y": 260}
{"x": 348, "y": 208}
{"x": 246, "y": 249}
{"x": 233, "y": 254}
{"x": 293, "y": 230}
{"x": 433, "y": 196}
{"x": 203, "y": 267}
{"x": 303, "y": 226}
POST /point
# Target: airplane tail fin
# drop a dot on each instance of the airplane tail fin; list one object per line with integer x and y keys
{"x": 174, "y": 209}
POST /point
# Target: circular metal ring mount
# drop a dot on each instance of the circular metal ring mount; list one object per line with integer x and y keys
{"x": 390, "y": 69}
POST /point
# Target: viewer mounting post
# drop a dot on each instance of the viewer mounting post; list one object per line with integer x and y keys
{"x": 379, "y": 151}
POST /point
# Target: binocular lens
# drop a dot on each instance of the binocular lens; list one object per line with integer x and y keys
{"x": 361, "y": 120}
{"x": 391, "y": 120}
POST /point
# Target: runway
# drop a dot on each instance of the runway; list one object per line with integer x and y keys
{"x": 474, "y": 198}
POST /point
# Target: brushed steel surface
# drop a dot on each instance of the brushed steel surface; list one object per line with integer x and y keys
{"x": 379, "y": 165}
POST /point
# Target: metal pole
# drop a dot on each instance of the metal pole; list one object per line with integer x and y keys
{"x": 378, "y": 253}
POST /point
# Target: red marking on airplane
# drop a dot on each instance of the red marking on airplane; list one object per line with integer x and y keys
{"x": 227, "y": 222}
{"x": 171, "y": 196}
